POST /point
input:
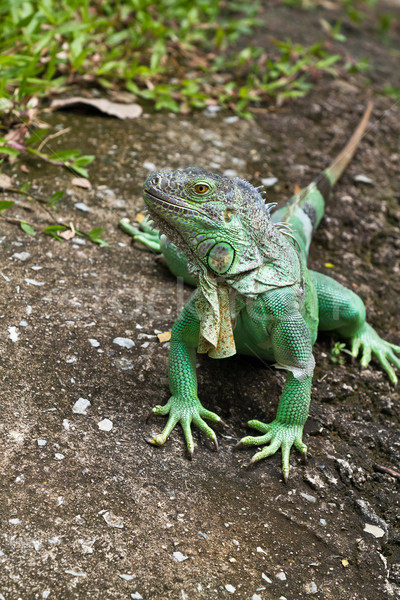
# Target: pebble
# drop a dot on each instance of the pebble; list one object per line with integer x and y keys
{"x": 75, "y": 573}
{"x": 136, "y": 596}
{"x": 82, "y": 206}
{"x": 23, "y": 323}
{"x": 65, "y": 424}
{"x": 126, "y": 576}
{"x": 308, "y": 497}
{"x": 269, "y": 181}
{"x": 21, "y": 255}
{"x": 179, "y": 557}
{"x": 94, "y": 343}
{"x": 149, "y": 165}
{"x": 267, "y": 579}
{"x": 230, "y": 120}
{"x": 59, "y": 456}
{"x": 15, "y": 521}
{"x": 256, "y": 597}
{"x": 34, "y": 282}
{"x": 80, "y": 406}
{"x": 363, "y": 179}
{"x": 105, "y": 425}
{"x": 281, "y": 575}
{"x": 310, "y": 588}
{"x": 113, "y": 520}
{"x": 13, "y": 334}
{"x": 41, "y": 443}
{"x": 230, "y": 173}
{"x": 374, "y": 530}
{"x": 229, "y": 588}
{"x": 124, "y": 342}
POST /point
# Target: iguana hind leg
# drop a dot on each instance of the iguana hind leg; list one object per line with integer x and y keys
{"x": 342, "y": 311}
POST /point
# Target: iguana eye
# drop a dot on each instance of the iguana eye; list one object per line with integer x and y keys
{"x": 201, "y": 188}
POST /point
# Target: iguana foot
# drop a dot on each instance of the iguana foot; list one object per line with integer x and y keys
{"x": 144, "y": 233}
{"x": 186, "y": 412}
{"x": 371, "y": 342}
{"x": 276, "y": 435}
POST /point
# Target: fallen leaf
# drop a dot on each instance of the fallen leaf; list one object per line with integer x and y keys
{"x": 68, "y": 234}
{"x": 5, "y": 182}
{"x": 24, "y": 169}
{"x": 297, "y": 189}
{"x": 164, "y": 337}
{"x": 82, "y": 183}
{"x": 115, "y": 109}
{"x": 140, "y": 217}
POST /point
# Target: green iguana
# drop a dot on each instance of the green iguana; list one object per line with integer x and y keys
{"x": 255, "y": 294}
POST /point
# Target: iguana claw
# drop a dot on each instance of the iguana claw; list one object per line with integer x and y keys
{"x": 185, "y": 412}
{"x": 277, "y": 435}
{"x": 371, "y": 342}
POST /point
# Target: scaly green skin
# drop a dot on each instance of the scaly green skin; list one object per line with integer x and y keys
{"x": 228, "y": 239}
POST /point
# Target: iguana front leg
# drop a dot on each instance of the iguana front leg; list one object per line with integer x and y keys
{"x": 184, "y": 407}
{"x": 291, "y": 342}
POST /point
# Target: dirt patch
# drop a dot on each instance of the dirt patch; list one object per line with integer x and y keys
{"x": 91, "y": 513}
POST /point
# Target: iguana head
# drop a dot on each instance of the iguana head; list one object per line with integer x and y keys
{"x": 220, "y": 223}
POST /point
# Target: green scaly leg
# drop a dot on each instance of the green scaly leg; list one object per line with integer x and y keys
{"x": 184, "y": 407}
{"x": 286, "y": 430}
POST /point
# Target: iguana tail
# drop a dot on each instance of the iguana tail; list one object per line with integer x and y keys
{"x": 305, "y": 209}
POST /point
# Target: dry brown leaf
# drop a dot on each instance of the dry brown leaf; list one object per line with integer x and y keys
{"x": 68, "y": 234}
{"x": 5, "y": 182}
{"x": 81, "y": 182}
{"x": 297, "y": 189}
{"x": 140, "y": 217}
{"x": 115, "y": 109}
{"x": 164, "y": 337}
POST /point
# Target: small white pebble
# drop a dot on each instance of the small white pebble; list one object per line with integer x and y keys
{"x": 113, "y": 520}
{"x": 149, "y": 165}
{"x": 374, "y": 530}
{"x": 75, "y": 573}
{"x": 229, "y": 588}
{"x": 105, "y": 425}
{"x": 13, "y": 333}
{"x": 179, "y": 557}
{"x": 363, "y": 179}
{"x": 34, "y": 282}
{"x": 308, "y": 497}
{"x": 281, "y": 575}
{"x": 82, "y": 206}
{"x": 14, "y": 521}
{"x": 256, "y": 597}
{"x": 267, "y": 579}
{"x": 310, "y": 588}
{"x": 65, "y": 424}
{"x": 21, "y": 255}
{"x": 124, "y": 342}
{"x": 41, "y": 443}
{"x": 126, "y": 576}
{"x": 80, "y": 406}
{"x": 136, "y": 596}
{"x": 94, "y": 343}
{"x": 59, "y": 456}
{"x": 23, "y": 323}
{"x": 269, "y": 181}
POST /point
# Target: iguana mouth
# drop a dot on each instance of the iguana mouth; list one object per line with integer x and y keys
{"x": 175, "y": 205}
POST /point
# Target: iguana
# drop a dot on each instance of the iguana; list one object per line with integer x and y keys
{"x": 255, "y": 294}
